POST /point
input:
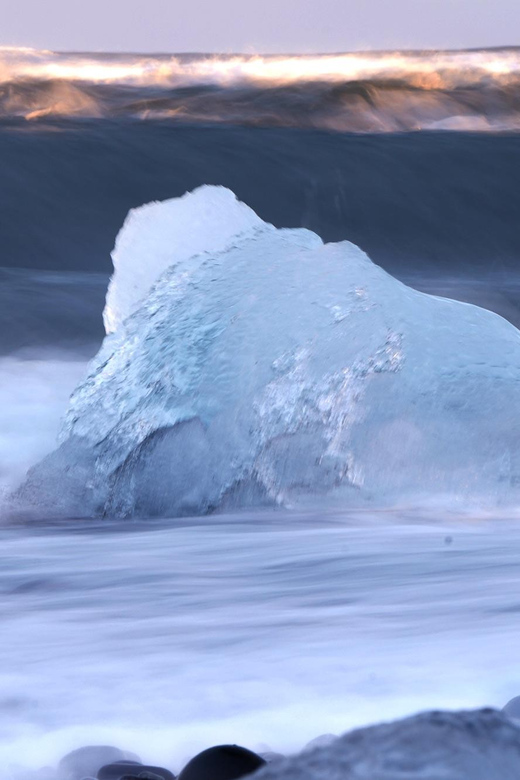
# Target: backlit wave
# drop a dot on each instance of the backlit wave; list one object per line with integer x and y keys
{"x": 475, "y": 90}
{"x": 425, "y": 70}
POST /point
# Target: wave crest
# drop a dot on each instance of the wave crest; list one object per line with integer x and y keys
{"x": 358, "y": 92}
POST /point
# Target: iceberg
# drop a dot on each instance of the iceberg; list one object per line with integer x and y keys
{"x": 246, "y": 365}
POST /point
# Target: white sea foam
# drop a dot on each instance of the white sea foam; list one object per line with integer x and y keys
{"x": 34, "y": 393}
{"x": 259, "y": 629}
{"x": 429, "y": 69}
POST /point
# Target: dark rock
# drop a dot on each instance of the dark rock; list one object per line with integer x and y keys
{"x": 86, "y": 761}
{"x": 146, "y": 775}
{"x": 130, "y": 769}
{"x": 477, "y": 745}
{"x": 223, "y": 762}
{"x": 512, "y": 708}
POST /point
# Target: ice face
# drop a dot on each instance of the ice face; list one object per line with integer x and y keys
{"x": 160, "y": 235}
{"x": 279, "y": 370}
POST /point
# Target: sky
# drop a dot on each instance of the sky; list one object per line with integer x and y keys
{"x": 258, "y": 25}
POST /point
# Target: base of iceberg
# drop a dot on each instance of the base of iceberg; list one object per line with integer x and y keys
{"x": 251, "y": 366}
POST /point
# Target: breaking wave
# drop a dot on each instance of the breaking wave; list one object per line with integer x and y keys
{"x": 476, "y": 90}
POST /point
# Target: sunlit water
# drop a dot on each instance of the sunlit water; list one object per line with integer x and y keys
{"x": 375, "y": 92}
{"x": 266, "y": 629}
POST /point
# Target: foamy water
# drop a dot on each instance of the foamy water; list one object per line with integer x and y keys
{"x": 264, "y": 629}
{"x": 424, "y": 69}
{"x": 34, "y": 392}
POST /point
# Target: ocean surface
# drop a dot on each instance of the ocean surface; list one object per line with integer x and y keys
{"x": 266, "y": 629}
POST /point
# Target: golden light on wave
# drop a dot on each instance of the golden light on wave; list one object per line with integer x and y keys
{"x": 424, "y": 70}
{"x": 94, "y": 72}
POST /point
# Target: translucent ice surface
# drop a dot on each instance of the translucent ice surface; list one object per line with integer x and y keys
{"x": 160, "y": 235}
{"x": 257, "y": 366}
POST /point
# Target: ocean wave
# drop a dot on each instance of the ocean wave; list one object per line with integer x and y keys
{"x": 424, "y": 69}
{"x": 476, "y": 90}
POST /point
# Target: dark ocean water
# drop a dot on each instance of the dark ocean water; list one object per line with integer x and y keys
{"x": 440, "y": 210}
{"x": 412, "y": 201}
